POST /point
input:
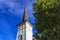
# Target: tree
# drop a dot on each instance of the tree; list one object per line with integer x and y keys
{"x": 47, "y": 13}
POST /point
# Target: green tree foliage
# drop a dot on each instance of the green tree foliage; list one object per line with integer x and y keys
{"x": 47, "y": 13}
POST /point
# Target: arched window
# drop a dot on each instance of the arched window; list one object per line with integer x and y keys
{"x": 33, "y": 39}
{"x": 21, "y": 37}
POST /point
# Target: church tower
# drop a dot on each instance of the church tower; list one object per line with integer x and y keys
{"x": 24, "y": 29}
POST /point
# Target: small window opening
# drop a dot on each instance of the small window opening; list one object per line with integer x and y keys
{"x": 21, "y": 37}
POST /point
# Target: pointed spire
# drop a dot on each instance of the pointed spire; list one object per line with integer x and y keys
{"x": 25, "y": 18}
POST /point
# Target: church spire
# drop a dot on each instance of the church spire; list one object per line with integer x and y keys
{"x": 25, "y": 18}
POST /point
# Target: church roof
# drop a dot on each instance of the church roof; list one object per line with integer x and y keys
{"x": 25, "y": 18}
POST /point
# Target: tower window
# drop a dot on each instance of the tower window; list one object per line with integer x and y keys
{"x": 33, "y": 39}
{"x": 21, "y": 37}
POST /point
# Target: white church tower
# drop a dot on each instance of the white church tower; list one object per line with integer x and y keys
{"x": 24, "y": 29}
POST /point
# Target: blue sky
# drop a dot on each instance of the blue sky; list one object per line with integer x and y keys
{"x": 11, "y": 13}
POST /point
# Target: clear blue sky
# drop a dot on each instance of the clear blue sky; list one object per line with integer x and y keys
{"x": 11, "y": 13}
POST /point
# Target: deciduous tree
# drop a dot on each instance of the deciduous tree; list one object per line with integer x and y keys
{"x": 47, "y": 13}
